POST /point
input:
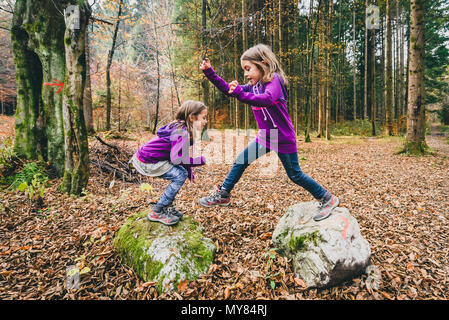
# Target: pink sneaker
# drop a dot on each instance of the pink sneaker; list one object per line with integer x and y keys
{"x": 326, "y": 207}
{"x": 163, "y": 217}
{"x": 218, "y": 198}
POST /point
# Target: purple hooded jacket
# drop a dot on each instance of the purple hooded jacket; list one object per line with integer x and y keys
{"x": 172, "y": 144}
{"x": 269, "y": 104}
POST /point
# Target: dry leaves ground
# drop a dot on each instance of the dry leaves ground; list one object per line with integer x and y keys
{"x": 400, "y": 202}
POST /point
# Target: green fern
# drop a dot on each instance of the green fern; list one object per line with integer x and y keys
{"x": 31, "y": 171}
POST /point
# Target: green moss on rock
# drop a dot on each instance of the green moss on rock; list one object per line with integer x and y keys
{"x": 300, "y": 243}
{"x": 164, "y": 254}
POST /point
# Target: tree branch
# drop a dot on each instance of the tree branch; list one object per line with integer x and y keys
{"x": 95, "y": 19}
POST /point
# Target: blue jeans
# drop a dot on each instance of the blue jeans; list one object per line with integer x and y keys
{"x": 177, "y": 175}
{"x": 290, "y": 162}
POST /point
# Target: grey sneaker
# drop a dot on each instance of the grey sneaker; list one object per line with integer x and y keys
{"x": 171, "y": 210}
{"x": 162, "y": 216}
{"x": 218, "y": 198}
{"x": 325, "y": 207}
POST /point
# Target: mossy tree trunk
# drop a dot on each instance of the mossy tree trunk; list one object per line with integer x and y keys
{"x": 76, "y": 171}
{"x": 49, "y": 125}
{"x": 415, "y": 138}
{"x": 37, "y": 35}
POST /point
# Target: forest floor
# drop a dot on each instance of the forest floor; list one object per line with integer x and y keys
{"x": 401, "y": 204}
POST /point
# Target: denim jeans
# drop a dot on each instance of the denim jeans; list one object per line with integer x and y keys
{"x": 290, "y": 162}
{"x": 177, "y": 175}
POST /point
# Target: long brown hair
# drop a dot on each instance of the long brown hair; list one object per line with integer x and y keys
{"x": 189, "y": 107}
{"x": 264, "y": 58}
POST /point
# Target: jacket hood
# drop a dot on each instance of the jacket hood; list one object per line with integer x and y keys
{"x": 167, "y": 130}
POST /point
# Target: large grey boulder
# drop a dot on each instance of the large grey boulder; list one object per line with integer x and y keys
{"x": 324, "y": 253}
{"x": 166, "y": 255}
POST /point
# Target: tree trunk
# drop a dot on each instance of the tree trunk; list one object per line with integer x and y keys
{"x": 297, "y": 68}
{"x": 236, "y": 66}
{"x": 365, "y": 87}
{"x": 339, "y": 77}
{"x": 373, "y": 82}
{"x": 172, "y": 69}
{"x": 407, "y": 73}
{"x": 172, "y": 106}
{"x": 396, "y": 65}
{"x": 389, "y": 74}
{"x": 354, "y": 83}
{"x": 381, "y": 109}
{"x": 244, "y": 48}
{"x": 88, "y": 116}
{"x": 108, "y": 69}
{"x": 76, "y": 171}
{"x": 37, "y": 36}
{"x": 311, "y": 78}
{"x": 280, "y": 12}
{"x": 401, "y": 66}
{"x": 321, "y": 72}
{"x": 156, "y": 118}
{"x": 205, "y": 82}
{"x": 415, "y": 138}
{"x": 328, "y": 71}
{"x": 119, "y": 97}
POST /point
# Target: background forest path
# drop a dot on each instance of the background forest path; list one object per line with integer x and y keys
{"x": 437, "y": 139}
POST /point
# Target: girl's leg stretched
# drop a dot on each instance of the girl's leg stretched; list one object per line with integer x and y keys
{"x": 294, "y": 172}
{"x": 251, "y": 153}
{"x": 243, "y": 160}
{"x": 327, "y": 200}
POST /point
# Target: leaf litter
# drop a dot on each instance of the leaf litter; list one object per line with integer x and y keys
{"x": 400, "y": 203}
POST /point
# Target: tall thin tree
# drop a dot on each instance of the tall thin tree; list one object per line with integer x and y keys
{"x": 389, "y": 74}
{"x": 328, "y": 71}
{"x": 354, "y": 67}
{"x": 415, "y": 138}
{"x": 108, "y": 67}
{"x": 365, "y": 87}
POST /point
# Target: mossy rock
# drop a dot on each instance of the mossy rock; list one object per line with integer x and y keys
{"x": 166, "y": 255}
{"x": 323, "y": 253}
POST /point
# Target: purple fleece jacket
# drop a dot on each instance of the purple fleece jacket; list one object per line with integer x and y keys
{"x": 269, "y": 104}
{"x": 172, "y": 143}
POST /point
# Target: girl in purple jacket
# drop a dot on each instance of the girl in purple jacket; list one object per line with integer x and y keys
{"x": 167, "y": 156}
{"x": 266, "y": 93}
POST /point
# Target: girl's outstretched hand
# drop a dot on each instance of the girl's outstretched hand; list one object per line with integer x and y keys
{"x": 206, "y": 64}
{"x": 232, "y": 86}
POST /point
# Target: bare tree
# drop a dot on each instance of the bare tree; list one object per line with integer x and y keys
{"x": 108, "y": 67}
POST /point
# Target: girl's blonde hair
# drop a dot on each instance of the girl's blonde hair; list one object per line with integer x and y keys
{"x": 188, "y": 108}
{"x": 264, "y": 58}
